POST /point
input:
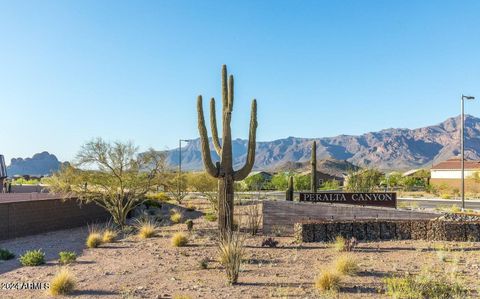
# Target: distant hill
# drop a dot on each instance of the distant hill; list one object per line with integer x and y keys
{"x": 329, "y": 166}
{"x": 389, "y": 149}
{"x": 40, "y": 164}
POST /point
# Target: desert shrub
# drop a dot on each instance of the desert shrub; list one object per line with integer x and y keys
{"x": 203, "y": 264}
{"x": 33, "y": 258}
{"x": 109, "y": 236}
{"x": 176, "y": 217}
{"x": 6, "y": 255}
{"x": 328, "y": 280}
{"x": 423, "y": 286}
{"x": 442, "y": 255}
{"x": 146, "y": 228}
{"x": 455, "y": 209}
{"x": 445, "y": 196}
{"x": 63, "y": 283}
{"x": 231, "y": 251}
{"x": 341, "y": 244}
{"x": 269, "y": 242}
{"x": 67, "y": 257}
{"x": 189, "y": 224}
{"x": 190, "y": 207}
{"x": 212, "y": 216}
{"x": 94, "y": 240}
{"x": 346, "y": 264}
{"x": 159, "y": 196}
{"x": 179, "y": 240}
{"x": 254, "y": 219}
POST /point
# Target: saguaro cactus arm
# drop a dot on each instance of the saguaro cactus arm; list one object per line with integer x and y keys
{"x": 210, "y": 168}
{"x": 213, "y": 124}
{"x": 252, "y": 142}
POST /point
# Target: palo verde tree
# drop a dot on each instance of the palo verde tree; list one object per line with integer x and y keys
{"x": 223, "y": 169}
{"x": 313, "y": 162}
{"x": 112, "y": 175}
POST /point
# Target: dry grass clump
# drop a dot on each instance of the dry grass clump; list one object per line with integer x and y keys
{"x": 328, "y": 280}
{"x": 176, "y": 217}
{"x": 426, "y": 285}
{"x": 63, "y": 283}
{"x": 231, "y": 252}
{"x": 346, "y": 264}
{"x": 94, "y": 240}
{"x": 146, "y": 228}
{"x": 109, "y": 236}
{"x": 179, "y": 240}
{"x": 341, "y": 244}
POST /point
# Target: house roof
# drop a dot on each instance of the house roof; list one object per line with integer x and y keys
{"x": 455, "y": 164}
{"x": 411, "y": 172}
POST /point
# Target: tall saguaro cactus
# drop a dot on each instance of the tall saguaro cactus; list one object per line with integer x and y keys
{"x": 313, "y": 179}
{"x": 223, "y": 169}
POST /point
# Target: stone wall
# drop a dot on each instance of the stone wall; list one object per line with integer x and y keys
{"x": 434, "y": 230}
{"x": 23, "y": 217}
{"x": 280, "y": 216}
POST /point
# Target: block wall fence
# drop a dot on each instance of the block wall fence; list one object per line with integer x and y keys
{"x": 20, "y": 218}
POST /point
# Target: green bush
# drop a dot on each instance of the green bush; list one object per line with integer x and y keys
{"x": 212, "y": 217}
{"x": 423, "y": 286}
{"x": 67, "y": 257}
{"x": 6, "y": 255}
{"x": 33, "y": 258}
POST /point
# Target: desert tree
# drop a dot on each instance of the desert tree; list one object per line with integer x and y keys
{"x": 114, "y": 175}
{"x": 206, "y": 186}
{"x": 176, "y": 186}
{"x": 365, "y": 180}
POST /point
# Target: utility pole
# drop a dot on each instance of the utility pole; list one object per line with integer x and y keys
{"x": 462, "y": 146}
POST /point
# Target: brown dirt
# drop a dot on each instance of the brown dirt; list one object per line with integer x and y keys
{"x": 152, "y": 268}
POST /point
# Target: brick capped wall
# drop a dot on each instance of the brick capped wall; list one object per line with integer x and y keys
{"x": 280, "y": 216}
{"x": 27, "y": 217}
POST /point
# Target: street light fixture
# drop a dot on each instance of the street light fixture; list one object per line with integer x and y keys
{"x": 180, "y": 162}
{"x": 462, "y": 147}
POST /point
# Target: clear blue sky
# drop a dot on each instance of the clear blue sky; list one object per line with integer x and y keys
{"x": 131, "y": 70}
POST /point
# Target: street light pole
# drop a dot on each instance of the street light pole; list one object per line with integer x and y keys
{"x": 462, "y": 146}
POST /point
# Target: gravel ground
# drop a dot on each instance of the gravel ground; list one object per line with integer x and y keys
{"x": 152, "y": 268}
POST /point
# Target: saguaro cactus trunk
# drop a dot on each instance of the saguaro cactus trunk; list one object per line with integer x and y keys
{"x": 290, "y": 189}
{"x": 313, "y": 179}
{"x": 223, "y": 169}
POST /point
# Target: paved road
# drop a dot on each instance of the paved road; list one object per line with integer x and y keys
{"x": 437, "y": 203}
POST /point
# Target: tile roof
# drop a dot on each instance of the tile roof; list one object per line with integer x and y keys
{"x": 454, "y": 164}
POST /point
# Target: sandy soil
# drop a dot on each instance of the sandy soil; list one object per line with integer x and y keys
{"x": 152, "y": 268}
